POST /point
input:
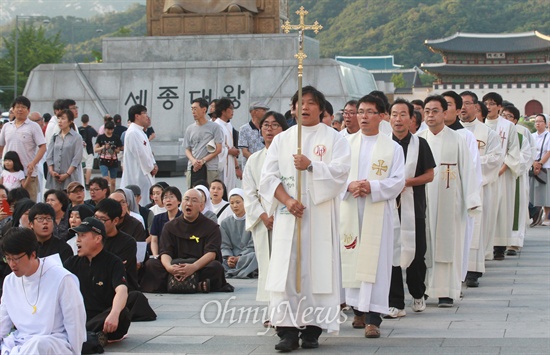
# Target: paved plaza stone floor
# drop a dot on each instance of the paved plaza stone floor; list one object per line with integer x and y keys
{"x": 508, "y": 314}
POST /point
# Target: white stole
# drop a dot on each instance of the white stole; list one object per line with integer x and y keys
{"x": 408, "y": 225}
{"x": 360, "y": 251}
{"x": 284, "y": 228}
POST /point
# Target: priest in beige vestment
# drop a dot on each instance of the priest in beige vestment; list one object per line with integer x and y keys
{"x": 377, "y": 177}
{"x": 324, "y": 167}
{"x": 451, "y": 196}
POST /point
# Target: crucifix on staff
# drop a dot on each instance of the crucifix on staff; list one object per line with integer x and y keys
{"x": 301, "y": 27}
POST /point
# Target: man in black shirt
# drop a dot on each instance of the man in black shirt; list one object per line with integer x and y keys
{"x": 88, "y": 133}
{"x": 102, "y": 281}
{"x": 417, "y": 175}
{"x": 41, "y": 219}
{"x": 99, "y": 190}
{"x": 127, "y": 223}
{"x": 117, "y": 242}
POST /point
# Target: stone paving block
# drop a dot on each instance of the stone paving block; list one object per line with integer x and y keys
{"x": 180, "y": 339}
{"x": 196, "y": 349}
{"x": 422, "y": 332}
{"x": 438, "y": 350}
{"x": 503, "y": 342}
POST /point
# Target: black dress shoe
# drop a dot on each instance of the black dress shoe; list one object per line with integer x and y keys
{"x": 511, "y": 252}
{"x": 286, "y": 344}
{"x": 310, "y": 343}
{"x": 472, "y": 283}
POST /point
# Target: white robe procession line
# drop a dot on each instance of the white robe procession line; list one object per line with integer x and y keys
{"x": 521, "y": 200}
{"x": 254, "y": 209}
{"x": 138, "y": 160}
{"x": 405, "y": 232}
{"x": 491, "y": 158}
{"x": 226, "y": 160}
{"x": 58, "y": 325}
{"x": 507, "y": 181}
{"x": 367, "y": 223}
{"x": 320, "y": 257}
{"x": 451, "y": 196}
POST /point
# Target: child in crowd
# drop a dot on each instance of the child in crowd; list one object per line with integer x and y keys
{"x": 13, "y": 175}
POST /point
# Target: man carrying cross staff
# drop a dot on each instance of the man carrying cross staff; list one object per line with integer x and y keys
{"x": 314, "y": 257}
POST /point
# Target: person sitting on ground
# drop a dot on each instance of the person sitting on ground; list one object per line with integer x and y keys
{"x": 102, "y": 282}
{"x": 195, "y": 238}
{"x": 117, "y": 242}
{"x": 133, "y": 209}
{"x": 171, "y": 197}
{"x": 155, "y": 193}
{"x": 218, "y": 195}
{"x": 208, "y": 210}
{"x": 237, "y": 244}
{"x": 99, "y": 190}
{"x": 145, "y": 213}
{"x": 76, "y": 215}
{"x": 60, "y": 202}
{"x": 41, "y": 219}
{"x": 55, "y": 323}
{"x": 127, "y": 223}
{"x": 76, "y": 194}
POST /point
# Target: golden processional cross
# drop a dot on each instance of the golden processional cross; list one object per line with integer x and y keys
{"x": 301, "y": 27}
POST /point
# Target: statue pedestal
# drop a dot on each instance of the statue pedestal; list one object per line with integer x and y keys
{"x": 199, "y": 24}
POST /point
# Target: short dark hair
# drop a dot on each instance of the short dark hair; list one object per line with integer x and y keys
{"x": 101, "y": 182}
{"x": 351, "y": 103}
{"x": 41, "y": 208}
{"x": 513, "y": 110}
{"x": 400, "y": 100}
{"x": 439, "y": 98}
{"x": 455, "y": 96}
{"x": 135, "y": 110}
{"x": 483, "y": 108}
{"x": 540, "y": 114}
{"x": 22, "y": 100}
{"x": 281, "y": 120}
{"x": 418, "y": 102}
{"x": 223, "y": 104}
{"x": 110, "y": 207}
{"x": 318, "y": 98}
{"x": 174, "y": 191}
{"x": 47, "y": 117}
{"x": 69, "y": 113}
{"x": 201, "y": 101}
{"x": 61, "y": 196}
{"x": 109, "y": 125}
{"x": 117, "y": 119}
{"x": 17, "y": 194}
{"x": 379, "y": 94}
{"x": 329, "y": 108}
{"x": 14, "y": 157}
{"x": 58, "y": 104}
{"x": 85, "y": 118}
{"x": 418, "y": 119}
{"x": 493, "y": 96}
{"x": 69, "y": 103}
{"x": 376, "y": 101}
{"x": 471, "y": 94}
{"x": 19, "y": 240}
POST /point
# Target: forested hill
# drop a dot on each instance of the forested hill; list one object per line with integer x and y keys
{"x": 399, "y": 27}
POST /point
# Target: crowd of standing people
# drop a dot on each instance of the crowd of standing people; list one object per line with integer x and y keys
{"x": 428, "y": 190}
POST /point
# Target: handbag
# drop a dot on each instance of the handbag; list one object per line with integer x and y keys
{"x": 542, "y": 177}
{"x": 188, "y": 285}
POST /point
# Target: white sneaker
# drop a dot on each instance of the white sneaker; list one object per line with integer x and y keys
{"x": 418, "y": 304}
{"x": 396, "y": 313}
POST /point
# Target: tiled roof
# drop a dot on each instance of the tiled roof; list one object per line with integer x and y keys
{"x": 370, "y": 62}
{"x": 468, "y": 69}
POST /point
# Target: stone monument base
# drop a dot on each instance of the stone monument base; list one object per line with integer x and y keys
{"x": 211, "y": 24}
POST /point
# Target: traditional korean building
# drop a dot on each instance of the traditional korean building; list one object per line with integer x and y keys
{"x": 516, "y": 65}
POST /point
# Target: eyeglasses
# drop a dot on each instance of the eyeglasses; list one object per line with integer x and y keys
{"x": 368, "y": 113}
{"x": 43, "y": 219}
{"x": 103, "y": 220}
{"x": 428, "y": 112}
{"x": 490, "y": 103}
{"x": 78, "y": 189}
{"x": 467, "y": 103}
{"x": 273, "y": 125}
{"x": 349, "y": 113}
{"x": 168, "y": 197}
{"x": 15, "y": 260}
{"x": 95, "y": 189}
{"x": 508, "y": 116}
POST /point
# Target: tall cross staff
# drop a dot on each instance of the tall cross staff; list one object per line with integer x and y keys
{"x": 287, "y": 27}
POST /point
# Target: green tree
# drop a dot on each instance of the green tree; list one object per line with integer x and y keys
{"x": 398, "y": 80}
{"x": 34, "y": 47}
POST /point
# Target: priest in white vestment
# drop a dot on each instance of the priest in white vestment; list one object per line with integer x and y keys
{"x": 451, "y": 197}
{"x": 228, "y": 157}
{"x": 140, "y": 166}
{"x": 368, "y": 207}
{"x": 324, "y": 166}
{"x": 507, "y": 175}
{"x": 257, "y": 220}
{"x": 521, "y": 199}
{"x": 41, "y": 300}
{"x": 491, "y": 159}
